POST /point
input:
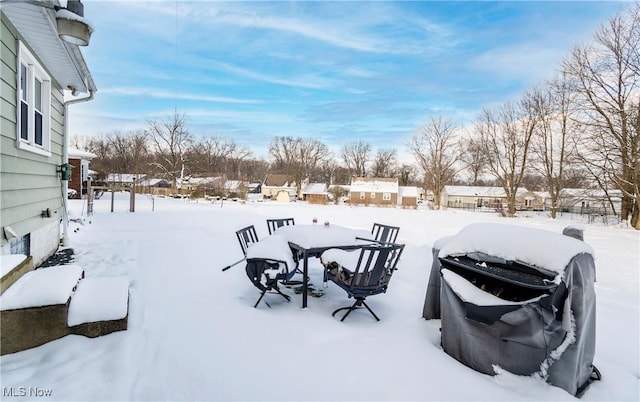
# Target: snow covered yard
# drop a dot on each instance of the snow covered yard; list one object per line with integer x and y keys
{"x": 193, "y": 334}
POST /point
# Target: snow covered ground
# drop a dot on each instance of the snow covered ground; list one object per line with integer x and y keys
{"x": 193, "y": 334}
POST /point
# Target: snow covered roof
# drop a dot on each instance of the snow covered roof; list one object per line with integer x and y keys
{"x": 315, "y": 188}
{"x": 540, "y": 248}
{"x": 124, "y": 177}
{"x": 80, "y": 154}
{"x": 408, "y": 191}
{"x": 479, "y": 191}
{"x": 152, "y": 182}
{"x": 233, "y": 184}
{"x": 585, "y": 193}
{"x": 377, "y": 185}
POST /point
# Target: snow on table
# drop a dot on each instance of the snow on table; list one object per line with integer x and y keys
{"x": 9, "y": 262}
{"x": 310, "y": 236}
{"x": 99, "y": 299}
{"x": 536, "y": 247}
{"x": 42, "y": 287}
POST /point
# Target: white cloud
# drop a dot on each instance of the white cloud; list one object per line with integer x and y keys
{"x": 162, "y": 94}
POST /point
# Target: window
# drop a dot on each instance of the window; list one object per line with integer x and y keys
{"x": 362, "y": 195}
{"x": 34, "y": 99}
{"x": 373, "y": 195}
{"x": 21, "y": 245}
{"x": 386, "y": 196}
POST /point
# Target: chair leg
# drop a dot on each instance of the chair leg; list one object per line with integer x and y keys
{"x": 277, "y": 291}
{"x": 264, "y": 292}
{"x": 354, "y": 306}
{"x": 371, "y": 311}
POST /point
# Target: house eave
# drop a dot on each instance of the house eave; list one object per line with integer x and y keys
{"x": 36, "y": 27}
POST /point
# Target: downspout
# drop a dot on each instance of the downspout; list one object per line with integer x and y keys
{"x": 65, "y": 159}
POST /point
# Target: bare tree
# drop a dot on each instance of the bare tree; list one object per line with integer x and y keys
{"x": 406, "y": 174}
{"x": 437, "y": 153}
{"x": 553, "y": 141}
{"x": 209, "y": 154}
{"x": 606, "y": 73}
{"x": 384, "y": 163}
{"x": 298, "y": 157}
{"x": 129, "y": 152}
{"x": 355, "y": 156}
{"x": 505, "y": 135}
{"x": 170, "y": 138}
{"x": 474, "y": 159}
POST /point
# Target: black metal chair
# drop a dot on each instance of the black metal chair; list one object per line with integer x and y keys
{"x": 273, "y": 224}
{"x": 363, "y": 272}
{"x": 385, "y": 233}
{"x": 263, "y": 270}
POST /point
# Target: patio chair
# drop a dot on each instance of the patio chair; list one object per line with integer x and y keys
{"x": 273, "y": 224}
{"x": 268, "y": 261}
{"x": 385, "y": 233}
{"x": 363, "y": 272}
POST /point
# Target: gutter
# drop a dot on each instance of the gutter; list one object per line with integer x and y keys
{"x": 65, "y": 159}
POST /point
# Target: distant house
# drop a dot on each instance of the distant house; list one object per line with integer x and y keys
{"x": 124, "y": 179}
{"x": 79, "y": 161}
{"x": 374, "y": 191}
{"x": 590, "y": 201}
{"x": 286, "y": 196}
{"x": 153, "y": 186}
{"x": 274, "y": 183}
{"x": 41, "y": 74}
{"x": 315, "y": 193}
{"x": 408, "y": 196}
{"x": 472, "y": 197}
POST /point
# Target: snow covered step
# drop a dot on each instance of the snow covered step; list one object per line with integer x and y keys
{"x": 42, "y": 287}
{"x": 12, "y": 267}
{"x": 34, "y": 309}
{"x": 99, "y": 306}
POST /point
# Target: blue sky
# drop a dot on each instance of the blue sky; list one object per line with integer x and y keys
{"x": 335, "y": 71}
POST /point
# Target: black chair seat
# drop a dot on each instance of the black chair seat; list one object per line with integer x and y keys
{"x": 363, "y": 272}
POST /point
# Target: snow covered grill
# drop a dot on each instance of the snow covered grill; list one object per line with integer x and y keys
{"x": 508, "y": 280}
{"x": 519, "y": 299}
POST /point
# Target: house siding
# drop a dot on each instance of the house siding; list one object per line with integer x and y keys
{"x": 29, "y": 183}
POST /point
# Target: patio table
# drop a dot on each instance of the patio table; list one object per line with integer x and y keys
{"x": 313, "y": 240}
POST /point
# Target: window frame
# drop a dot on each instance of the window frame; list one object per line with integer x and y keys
{"x": 38, "y": 121}
{"x": 386, "y": 196}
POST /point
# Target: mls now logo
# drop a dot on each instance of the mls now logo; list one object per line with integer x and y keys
{"x": 26, "y": 391}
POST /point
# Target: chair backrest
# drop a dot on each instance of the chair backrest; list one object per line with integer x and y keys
{"x": 273, "y": 224}
{"x": 385, "y": 233}
{"x": 246, "y": 237}
{"x": 375, "y": 267}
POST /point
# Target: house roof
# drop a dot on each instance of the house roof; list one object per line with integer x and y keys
{"x": 279, "y": 180}
{"x": 37, "y": 24}
{"x": 152, "y": 182}
{"x": 79, "y": 154}
{"x": 585, "y": 193}
{"x": 124, "y": 177}
{"x": 374, "y": 185}
{"x": 479, "y": 191}
{"x": 315, "y": 188}
{"x": 408, "y": 191}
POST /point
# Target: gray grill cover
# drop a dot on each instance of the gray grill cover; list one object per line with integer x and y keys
{"x": 532, "y": 339}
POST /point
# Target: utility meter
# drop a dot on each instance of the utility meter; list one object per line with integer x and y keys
{"x": 65, "y": 171}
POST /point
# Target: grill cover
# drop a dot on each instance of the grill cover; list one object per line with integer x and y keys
{"x": 517, "y": 298}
